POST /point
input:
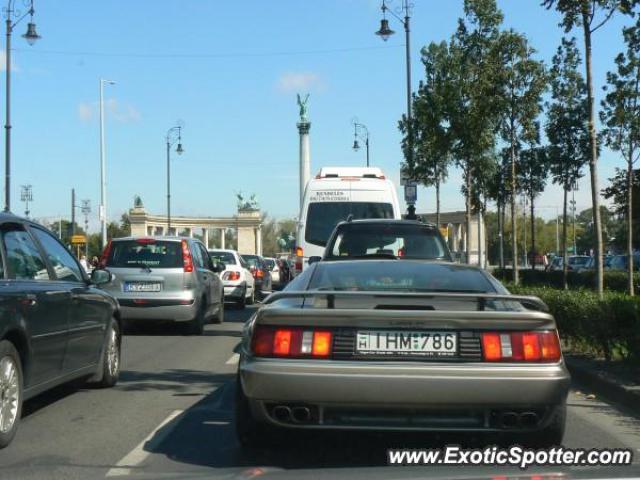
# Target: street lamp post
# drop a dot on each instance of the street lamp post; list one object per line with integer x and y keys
{"x": 86, "y": 210}
{"x": 385, "y": 32}
{"x": 174, "y": 134}
{"x": 103, "y": 168}
{"x": 13, "y": 17}
{"x": 357, "y": 129}
{"x": 26, "y": 196}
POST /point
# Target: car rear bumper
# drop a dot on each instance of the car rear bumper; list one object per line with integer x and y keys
{"x": 234, "y": 291}
{"x": 359, "y": 395}
{"x": 157, "y": 309}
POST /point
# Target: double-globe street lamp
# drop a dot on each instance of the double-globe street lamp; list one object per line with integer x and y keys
{"x": 13, "y": 17}
{"x": 358, "y": 129}
{"x": 385, "y": 32}
{"x": 174, "y": 134}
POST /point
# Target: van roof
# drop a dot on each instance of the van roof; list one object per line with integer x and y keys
{"x": 359, "y": 172}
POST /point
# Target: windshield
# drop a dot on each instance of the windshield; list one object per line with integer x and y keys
{"x": 227, "y": 258}
{"x": 147, "y": 253}
{"x": 407, "y": 276}
{"x": 403, "y": 241}
{"x": 322, "y": 217}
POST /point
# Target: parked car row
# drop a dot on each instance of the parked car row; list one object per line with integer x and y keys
{"x": 584, "y": 263}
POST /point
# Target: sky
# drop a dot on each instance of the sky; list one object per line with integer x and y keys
{"x": 230, "y": 71}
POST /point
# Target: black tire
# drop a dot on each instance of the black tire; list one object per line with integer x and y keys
{"x": 242, "y": 301}
{"x": 219, "y": 318}
{"x": 111, "y": 357}
{"x": 196, "y": 326}
{"x": 9, "y": 352}
{"x": 549, "y": 436}
{"x": 252, "y": 298}
{"x": 249, "y": 432}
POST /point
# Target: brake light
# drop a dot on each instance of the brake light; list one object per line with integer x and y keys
{"x": 259, "y": 273}
{"x": 105, "y": 255}
{"x": 299, "y": 252}
{"x": 146, "y": 241}
{"x": 187, "y": 259}
{"x": 521, "y": 347}
{"x": 232, "y": 276}
{"x": 291, "y": 342}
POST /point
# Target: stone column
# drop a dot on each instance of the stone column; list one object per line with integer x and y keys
{"x": 222, "y": 239}
{"x": 205, "y": 232}
{"x": 305, "y": 157}
{"x": 190, "y": 232}
{"x": 259, "y": 240}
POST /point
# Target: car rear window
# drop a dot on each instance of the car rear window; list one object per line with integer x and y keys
{"x": 147, "y": 253}
{"x": 396, "y": 275}
{"x": 407, "y": 241}
{"x": 252, "y": 260}
{"x": 227, "y": 258}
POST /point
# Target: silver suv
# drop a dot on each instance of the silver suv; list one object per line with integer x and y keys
{"x": 165, "y": 278}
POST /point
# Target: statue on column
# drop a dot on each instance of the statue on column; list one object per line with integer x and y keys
{"x": 303, "y": 108}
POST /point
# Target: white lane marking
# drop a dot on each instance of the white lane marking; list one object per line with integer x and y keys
{"x": 138, "y": 455}
{"x": 233, "y": 359}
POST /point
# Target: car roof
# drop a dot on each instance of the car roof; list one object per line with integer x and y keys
{"x": 461, "y": 267}
{"x": 167, "y": 238}
{"x": 226, "y": 250}
{"x": 386, "y": 221}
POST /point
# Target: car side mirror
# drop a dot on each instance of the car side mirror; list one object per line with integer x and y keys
{"x": 101, "y": 276}
{"x": 314, "y": 259}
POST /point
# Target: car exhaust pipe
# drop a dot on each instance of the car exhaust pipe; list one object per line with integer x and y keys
{"x": 529, "y": 419}
{"x": 281, "y": 413}
{"x": 509, "y": 419}
{"x": 301, "y": 414}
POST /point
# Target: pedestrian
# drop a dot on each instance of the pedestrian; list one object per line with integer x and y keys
{"x": 83, "y": 262}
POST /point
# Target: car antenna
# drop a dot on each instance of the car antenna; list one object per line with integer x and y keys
{"x": 350, "y": 217}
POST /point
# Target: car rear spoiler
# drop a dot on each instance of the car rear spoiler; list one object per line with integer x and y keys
{"x": 528, "y": 302}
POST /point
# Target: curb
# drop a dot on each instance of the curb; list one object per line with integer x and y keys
{"x": 605, "y": 385}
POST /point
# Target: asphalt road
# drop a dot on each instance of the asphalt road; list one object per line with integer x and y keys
{"x": 172, "y": 415}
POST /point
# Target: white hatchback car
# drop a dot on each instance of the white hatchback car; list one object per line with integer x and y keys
{"x": 239, "y": 284}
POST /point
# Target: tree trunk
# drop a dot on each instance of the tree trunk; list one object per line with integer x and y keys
{"x": 468, "y": 215}
{"x": 630, "y": 218}
{"x": 565, "y": 266}
{"x": 501, "y": 232}
{"x": 480, "y": 259}
{"x": 514, "y": 231}
{"x": 593, "y": 161}
{"x": 533, "y": 234}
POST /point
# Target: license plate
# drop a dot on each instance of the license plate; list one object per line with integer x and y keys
{"x": 142, "y": 287}
{"x": 413, "y": 343}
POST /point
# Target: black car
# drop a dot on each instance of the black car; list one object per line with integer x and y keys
{"x": 260, "y": 273}
{"x": 55, "y": 325}
{"x": 385, "y": 238}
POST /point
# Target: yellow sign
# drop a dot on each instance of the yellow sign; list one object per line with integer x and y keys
{"x": 75, "y": 239}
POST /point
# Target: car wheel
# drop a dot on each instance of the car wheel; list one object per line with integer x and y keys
{"x": 196, "y": 326}
{"x": 549, "y": 436}
{"x": 250, "y": 433}
{"x": 242, "y": 301}
{"x": 10, "y": 392}
{"x": 252, "y": 298}
{"x": 219, "y": 318}
{"x": 111, "y": 357}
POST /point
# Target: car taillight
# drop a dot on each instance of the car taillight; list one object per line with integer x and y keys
{"x": 291, "y": 342}
{"x": 299, "y": 252}
{"x": 146, "y": 241}
{"x": 187, "y": 259}
{"x": 521, "y": 347}
{"x": 105, "y": 255}
{"x": 259, "y": 273}
{"x": 232, "y": 276}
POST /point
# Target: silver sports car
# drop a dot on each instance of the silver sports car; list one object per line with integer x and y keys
{"x": 401, "y": 345}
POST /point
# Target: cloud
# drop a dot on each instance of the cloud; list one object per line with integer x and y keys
{"x": 299, "y": 82}
{"x": 3, "y": 62}
{"x": 124, "y": 113}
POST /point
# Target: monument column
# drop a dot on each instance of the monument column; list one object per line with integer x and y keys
{"x": 222, "y": 232}
{"x": 206, "y": 236}
{"x": 259, "y": 240}
{"x": 305, "y": 153}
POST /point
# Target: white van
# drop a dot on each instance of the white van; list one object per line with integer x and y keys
{"x": 333, "y": 195}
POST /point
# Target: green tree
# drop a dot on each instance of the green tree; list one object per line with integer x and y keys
{"x": 432, "y": 136}
{"x": 498, "y": 191}
{"x": 620, "y": 116}
{"x": 473, "y": 104}
{"x": 617, "y": 193}
{"x": 591, "y": 15}
{"x": 523, "y": 82}
{"x": 566, "y": 130}
{"x": 532, "y": 177}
